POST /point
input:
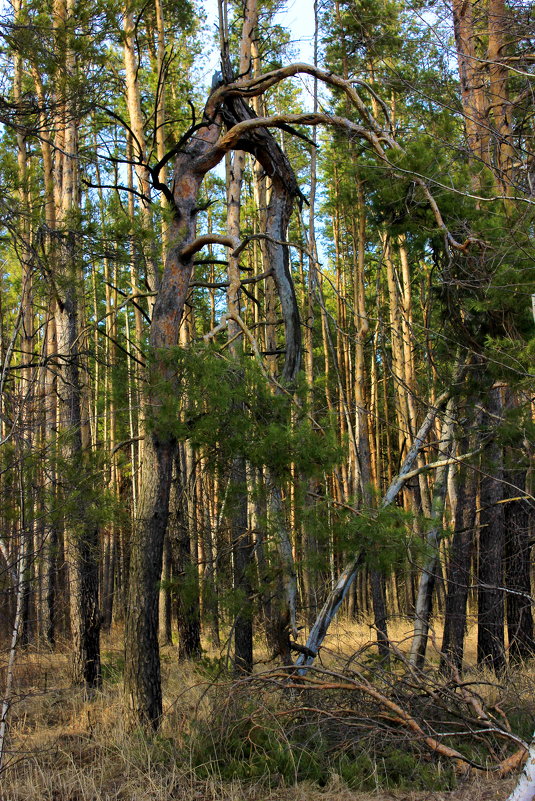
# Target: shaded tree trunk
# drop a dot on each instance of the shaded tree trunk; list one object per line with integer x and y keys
{"x": 459, "y": 569}
{"x": 242, "y": 563}
{"x": 518, "y": 515}
{"x": 185, "y": 578}
{"x": 490, "y": 616}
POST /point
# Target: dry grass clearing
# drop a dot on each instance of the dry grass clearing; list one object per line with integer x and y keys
{"x": 64, "y": 746}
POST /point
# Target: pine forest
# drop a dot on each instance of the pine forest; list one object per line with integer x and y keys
{"x": 267, "y": 400}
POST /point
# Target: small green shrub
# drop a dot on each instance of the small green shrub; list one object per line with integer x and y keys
{"x": 112, "y": 668}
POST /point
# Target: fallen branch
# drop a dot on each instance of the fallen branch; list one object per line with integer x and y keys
{"x": 403, "y": 718}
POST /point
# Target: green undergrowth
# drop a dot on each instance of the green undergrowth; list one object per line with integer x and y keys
{"x": 273, "y": 746}
{"x": 112, "y": 667}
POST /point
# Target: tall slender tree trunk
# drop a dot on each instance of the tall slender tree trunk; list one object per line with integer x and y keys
{"x": 133, "y": 102}
{"x": 240, "y": 534}
{"x": 186, "y": 590}
{"x": 81, "y": 535}
{"x": 518, "y": 524}
{"x": 490, "y": 615}
{"x": 27, "y": 390}
{"x": 459, "y": 576}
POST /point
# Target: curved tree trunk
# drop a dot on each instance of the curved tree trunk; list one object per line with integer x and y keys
{"x": 194, "y": 157}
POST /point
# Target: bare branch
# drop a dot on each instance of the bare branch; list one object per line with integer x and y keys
{"x": 234, "y": 138}
{"x": 441, "y": 463}
{"x": 187, "y": 253}
{"x": 261, "y": 83}
{"x": 231, "y": 139}
{"x": 254, "y": 279}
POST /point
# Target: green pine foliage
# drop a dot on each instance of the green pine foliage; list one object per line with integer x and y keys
{"x": 227, "y": 407}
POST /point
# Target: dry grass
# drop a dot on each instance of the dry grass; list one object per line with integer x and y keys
{"x": 67, "y": 747}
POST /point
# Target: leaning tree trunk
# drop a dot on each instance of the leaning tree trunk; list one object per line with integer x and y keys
{"x": 337, "y": 595}
{"x": 427, "y": 579}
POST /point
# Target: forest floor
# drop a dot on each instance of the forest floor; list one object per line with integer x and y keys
{"x": 64, "y": 746}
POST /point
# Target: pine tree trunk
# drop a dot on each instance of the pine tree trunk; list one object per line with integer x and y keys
{"x": 133, "y": 102}
{"x": 518, "y": 515}
{"x": 459, "y": 567}
{"x": 186, "y": 590}
{"x": 142, "y": 666}
{"x": 242, "y": 562}
{"x": 81, "y": 534}
{"x": 490, "y": 617}
{"x": 166, "y": 624}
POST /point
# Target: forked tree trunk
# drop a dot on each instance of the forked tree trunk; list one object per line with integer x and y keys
{"x": 197, "y": 152}
{"x": 194, "y": 157}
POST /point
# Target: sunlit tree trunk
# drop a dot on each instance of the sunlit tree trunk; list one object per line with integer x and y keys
{"x": 138, "y": 144}
{"x": 27, "y": 437}
{"x": 82, "y": 542}
{"x": 431, "y": 568}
